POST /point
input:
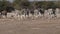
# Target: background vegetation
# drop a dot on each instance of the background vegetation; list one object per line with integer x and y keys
{"x": 18, "y": 4}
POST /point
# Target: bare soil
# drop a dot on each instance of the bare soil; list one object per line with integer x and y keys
{"x": 29, "y": 26}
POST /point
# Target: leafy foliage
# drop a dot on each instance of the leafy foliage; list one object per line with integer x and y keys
{"x": 26, "y": 4}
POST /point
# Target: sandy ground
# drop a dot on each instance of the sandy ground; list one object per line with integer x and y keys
{"x": 38, "y": 26}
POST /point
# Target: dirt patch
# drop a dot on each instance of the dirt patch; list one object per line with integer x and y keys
{"x": 38, "y": 26}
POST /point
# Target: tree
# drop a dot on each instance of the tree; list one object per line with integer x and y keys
{"x": 20, "y": 3}
{"x": 57, "y": 3}
{"x": 5, "y": 3}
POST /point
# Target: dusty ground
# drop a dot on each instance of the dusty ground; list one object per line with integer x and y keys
{"x": 39, "y": 26}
